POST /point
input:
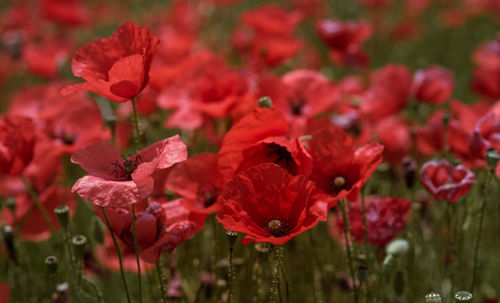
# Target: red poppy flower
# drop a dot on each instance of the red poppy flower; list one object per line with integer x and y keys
{"x": 107, "y": 256}
{"x": 445, "y": 181}
{"x": 385, "y": 219}
{"x": 486, "y": 77}
{"x": 389, "y": 92}
{"x": 33, "y": 226}
{"x": 300, "y": 95}
{"x": 394, "y": 133}
{"x": 344, "y": 40}
{"x": 116, "y": 68}
{"x": 117, "y": 182}
{"x": 339, "y": 169}
{"x": 45, "y": 59}
{"x": 260, "y": 137}
{"x": 429, "y": 137}
{"x": 433, "y": 85}
{"x": 67, "y": 12}
{"x": 486, "y": 135}
{"x": 269, "y": 205}
{"x": 17, "y": 141}
{"x": 155, "y": 231}
{"x": 197, "y": 179}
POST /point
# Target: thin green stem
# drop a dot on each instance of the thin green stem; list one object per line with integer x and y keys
{"x": 275, "y": 295}
{"x": 117, "y": 248}
{"x": 137, "y": 132}
{"x": 163, "y": 281}
{"x": 136, "y": 247}
{"x": 479, "y": 231}
{"x": 347, "y": 232}
{"x": 283, "y": 273}
{"x": 231, "y": 274}
{"x": 37, "y": 203}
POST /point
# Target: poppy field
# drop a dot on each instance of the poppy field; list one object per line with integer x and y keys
{"x": 249, "y": 151}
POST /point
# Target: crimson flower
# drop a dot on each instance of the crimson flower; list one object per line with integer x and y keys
{"x": 156, "y": 232}
{"x": 445, "y": 181}
{"x": 486, "y": 78}
{"x": 197, "y": 179}
{"x": 385, "y": 218}
{"x": 117, "y": 67}
{"x": 339, "y": 169}
{"x": 17, "y": 141}
{"x": 433, "y": 85}
{"x": 269, "y": 205}
{"x": 117, "y": 182}
{"x": 259, "y": 137}
{"x": 388, "y": 94}
{"x": 393, "y": 132}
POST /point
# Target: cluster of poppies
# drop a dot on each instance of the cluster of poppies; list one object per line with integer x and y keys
{"x": 269, "y": 146}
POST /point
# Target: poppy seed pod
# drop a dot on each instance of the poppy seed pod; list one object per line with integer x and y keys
{"x": 433, "y": 297}
{"x": 492, "y": 157}
{"x": 62, "y": 214}
{"x": 463, "y": 296}
{"x": 51, "y": 262}
{"x": 265, "y": 102}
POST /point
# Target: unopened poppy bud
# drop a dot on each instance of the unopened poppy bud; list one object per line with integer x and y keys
{"x": 399, "y": 283}
{"x": 409, "y": 171}
{"x": 463, "y": 296}
{"x": 51, "y": 262}
{"x": 11, "y": 204}
{"x": 265, "y": 102}
{"x": 397, "y": 247}
{"x": 433, "y": 297}
{"x": 446, "y": 120}
{"x": 79, "y": 242}
{"x": 8, "y": 235}
{"x": 62, "y": 214}
{"x": 492, "y": 157}
{"x": 231, "y": 236}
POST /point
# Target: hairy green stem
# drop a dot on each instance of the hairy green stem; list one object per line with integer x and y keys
{"x": 163, "y": 281}
{"x": 37, "y": 203}
{"x": 118, "y": 252}
{"x": 347, "y": 232}
{"x": 479, "y": 231}
{"x": 137, "y": 132}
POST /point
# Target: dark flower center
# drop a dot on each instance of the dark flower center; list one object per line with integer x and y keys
{"x": 277, "y": 227}
{"x": 280, "y": 155}
{"x": 124, "y": 172}
{"x": 337, "y": 184}
{"x": 297, "y": 105}
{"x": 206, "y": 197}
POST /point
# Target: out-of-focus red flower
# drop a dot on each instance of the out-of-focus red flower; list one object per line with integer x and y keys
{"x": 17, "y": 141}
{"x": 300, "y": 95}
{"x": 203, "y": 90}
{"x": 117, "y": 182}
{"x": 197, "y": 179}
{"x": 385, "y": 219}
{"x": 4, "y": 293}
{"x": 269, "y": 205}
{"x": 344, "y": 40}
{"x": 33, "y": 225}
{"x": 107, "y": 256}
{"x": 486, "y": 78}
{"x": 45, "y": 59}
{"x": 433, "y": 85}
{"x": 486, "y": 135}
{"x": 117, "y": 67}
{"x": 445, "y": 181}
{"x": 267, "y": 35}
{"x": 66, "y": 12}
{"x": 429, "y": 137}
{"x": 259, "y": 137}
{"x": 159, "y": 228}
{"x": 388, "y": 93}
{"x": 72, "y": 122}
{"x": 340, "y": 169}
{"x": 394, "y": 133}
